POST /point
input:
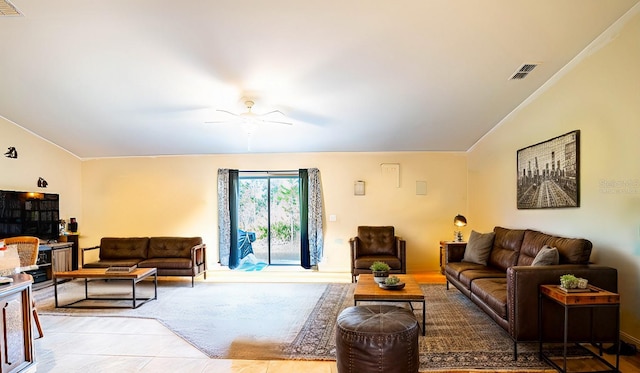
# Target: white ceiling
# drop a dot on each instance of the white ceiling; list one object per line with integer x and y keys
{"x": 140, "y": 77}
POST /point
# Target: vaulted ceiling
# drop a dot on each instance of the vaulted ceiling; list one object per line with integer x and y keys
{"x": 142, "y": 77}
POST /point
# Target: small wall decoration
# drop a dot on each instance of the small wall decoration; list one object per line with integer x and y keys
{"x": 358, "y": 188}
{"x": 42, "y": 183}
{"x": 549, "y": 173}
{"x": 11, "y": 153}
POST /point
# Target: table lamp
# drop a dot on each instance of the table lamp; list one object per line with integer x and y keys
{"x": 459, "y": 221}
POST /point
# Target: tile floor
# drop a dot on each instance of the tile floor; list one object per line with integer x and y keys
{"x": 118, "y": 344}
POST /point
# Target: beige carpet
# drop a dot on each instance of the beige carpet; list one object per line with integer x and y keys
{"x": 224, "y": 320}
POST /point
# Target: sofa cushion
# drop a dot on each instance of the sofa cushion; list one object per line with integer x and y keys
{"x": 454, "y": 269}
{"x": 131, "y": 248}
{"x": 506, "y": 247}
{"x": 166, "y": 263}
{"x": 376, "y": 241}
{"x": 172, "y": 247}
{"x": 364, "y": 262}
{"x": 493, "y": 293}
{"x": 478, "y": 248}
{"x": 106, "y": 263}
{"x": 571, "y": 250}
{"x": 469, "y": 276}
{"x": 546, "y": 256}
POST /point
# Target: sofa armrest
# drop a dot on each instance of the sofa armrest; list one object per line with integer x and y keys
{"x": 199, "y": 255}
{"x": 523, "y": 286}
{"x": 88, "y": 249}
{"x": 455, "y": 252}
{"x": 353, "y": 245}
{"x": 401, "y": 249}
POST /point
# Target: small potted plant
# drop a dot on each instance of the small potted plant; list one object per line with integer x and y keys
{"x": 569, "y": 281}
{"x": 380, "y": 271}
{"x": 392, "y": 283}
{"x": 392, "y": 280}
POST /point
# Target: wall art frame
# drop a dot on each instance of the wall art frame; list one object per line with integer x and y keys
{"x": 548, "y": 173}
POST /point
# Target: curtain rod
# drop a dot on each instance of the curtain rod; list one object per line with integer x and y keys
{"x": 269, "y": 171}
{"x": 272, "y": 172}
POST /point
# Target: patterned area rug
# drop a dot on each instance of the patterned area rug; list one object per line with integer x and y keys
{"x": 297, "y": 321}
{"x": 458, "y": 334}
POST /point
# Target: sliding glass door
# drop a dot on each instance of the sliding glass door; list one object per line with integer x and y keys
{"x": 269, "y": 216}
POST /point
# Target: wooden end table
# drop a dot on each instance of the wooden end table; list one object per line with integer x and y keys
{"x": 134, "y": 276}
{"x": 594, "y": 297}
{"x": 367, "y": 290}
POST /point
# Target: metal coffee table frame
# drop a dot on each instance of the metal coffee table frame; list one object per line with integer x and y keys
{"x": 134, "y": 276}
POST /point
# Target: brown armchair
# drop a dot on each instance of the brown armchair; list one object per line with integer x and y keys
{"x": 374, "y": 244}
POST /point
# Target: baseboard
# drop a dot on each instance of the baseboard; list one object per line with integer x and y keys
{"x": 629, "y": 338}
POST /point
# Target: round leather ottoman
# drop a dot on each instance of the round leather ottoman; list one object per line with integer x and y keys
{"x": 378, "y": 338}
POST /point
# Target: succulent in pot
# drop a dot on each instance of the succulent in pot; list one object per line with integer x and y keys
{"x": 392, "y": 280}
{"x": 569, "y": 281}
{"x": 380, "y": 271}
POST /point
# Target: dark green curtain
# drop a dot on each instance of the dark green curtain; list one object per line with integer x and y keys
{"x": 305, "y": 255}
{"x": 234, "y": 191}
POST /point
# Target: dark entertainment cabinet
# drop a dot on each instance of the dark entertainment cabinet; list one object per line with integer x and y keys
{"x": 37, "y": 214}
{"x": 52, "y": 257}
{"x": 29, "y": 214}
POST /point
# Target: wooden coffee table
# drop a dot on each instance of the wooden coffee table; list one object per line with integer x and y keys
{"x": 134, "y": 276}
{"x": 367, "y": 290}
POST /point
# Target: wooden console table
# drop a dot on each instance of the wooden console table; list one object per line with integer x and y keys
{"x": 593, "y": 298}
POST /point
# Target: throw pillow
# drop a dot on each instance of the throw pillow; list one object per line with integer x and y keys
{"x": 546, "y": 256}
{"x": 478, "y": 248}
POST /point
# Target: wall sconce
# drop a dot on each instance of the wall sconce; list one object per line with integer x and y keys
{"x": 42, "y": 183}
{"x": 459, "y": 221}
{"x": 11, "y": 153}
{"x": 358, "y": 188}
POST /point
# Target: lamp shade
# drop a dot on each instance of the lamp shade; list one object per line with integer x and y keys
{"x": 460, "y": 221}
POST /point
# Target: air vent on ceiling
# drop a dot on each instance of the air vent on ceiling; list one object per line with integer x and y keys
{"x": 7, "y": 9}
{"x": 523, "y": 71}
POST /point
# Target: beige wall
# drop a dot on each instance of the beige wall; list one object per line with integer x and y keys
{"x": 177, "y": 196}
{"x": 39, "y": 158}
{"x": 600, "y": 96}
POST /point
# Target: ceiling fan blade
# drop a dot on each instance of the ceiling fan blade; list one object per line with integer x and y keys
{"x": 272, "y": 112}
{"x": 228, "y": 112}
{"x": 278, "y": 122}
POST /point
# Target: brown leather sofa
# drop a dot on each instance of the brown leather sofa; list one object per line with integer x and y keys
{"x": 374, "y": 244}
{"x": 172, "y": 256}
{"x": 507, "y": 288}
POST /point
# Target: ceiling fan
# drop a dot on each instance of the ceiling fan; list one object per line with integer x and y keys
{"x": 250, "y": 119}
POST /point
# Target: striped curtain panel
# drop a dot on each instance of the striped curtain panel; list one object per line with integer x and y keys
{"x": 311, "y": 212}
{"x": 228, "y": 217}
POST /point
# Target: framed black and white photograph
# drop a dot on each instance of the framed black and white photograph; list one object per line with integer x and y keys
{"x": 549, "y": 173}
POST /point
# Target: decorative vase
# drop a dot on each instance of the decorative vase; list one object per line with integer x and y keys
{"x": 380, "y": 276}
{"x": 583, "y": 283}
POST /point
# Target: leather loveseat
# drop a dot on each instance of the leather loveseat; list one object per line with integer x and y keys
{"x": 172, "y": 256}
{"x": 507, "y": 287}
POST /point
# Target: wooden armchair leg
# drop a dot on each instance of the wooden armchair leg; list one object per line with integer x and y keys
{"x": 36, "y": 319}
